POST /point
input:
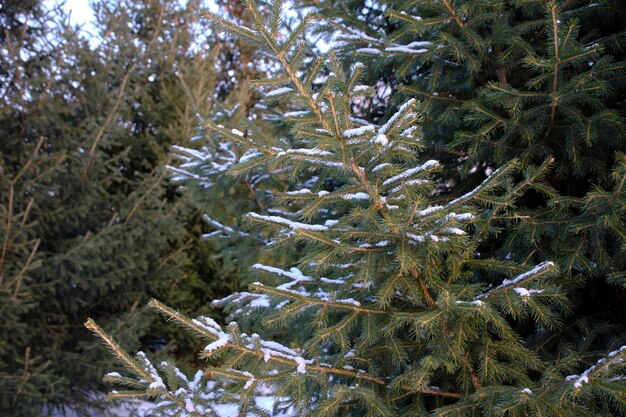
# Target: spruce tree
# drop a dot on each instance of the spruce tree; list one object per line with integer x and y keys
{"x": 397, "y": 303}
{"x": 89, "y": 223}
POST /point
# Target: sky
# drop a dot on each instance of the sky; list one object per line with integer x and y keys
{"x": 79, "y": 9}
{"x": 81, "y": 13}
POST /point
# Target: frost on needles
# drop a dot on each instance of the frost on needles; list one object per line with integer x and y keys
{"x": 389, "y": 309}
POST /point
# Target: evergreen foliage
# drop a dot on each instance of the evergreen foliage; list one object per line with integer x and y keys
{"x": 401, "y": 299}
{"x": 527, "y": 80}
{"x": 89, "y": 224}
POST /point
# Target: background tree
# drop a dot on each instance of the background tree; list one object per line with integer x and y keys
{"x": 90, "y": 225}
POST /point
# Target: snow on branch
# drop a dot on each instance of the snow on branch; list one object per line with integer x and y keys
{"x": 412, "y": 171}
{"x": 247, "y": 303}
{"x": 193, "y": 153}
{"x": 357, "y": 35}
{"x": 313, "y": 156}
{"x": 536, "y": 272}
{"x": 496, "y": 174}
{"x": 155, "y": 380}
{"x": 184, "y": 174}
{"x": 303, "y": 152}
{"x": 226, "y": 230}
{"x": 317, "y": 297}
{"x": 294, "y": 274}
{"x": 409, "y": 49}
{"x": 473, "y": 193}
{"x": 397, "y": 118}
{"x": 279, "y": 92}
{"x": 289, "y": 223}
{"x": 359, "y": 131}
{"x": 613, "y": 358}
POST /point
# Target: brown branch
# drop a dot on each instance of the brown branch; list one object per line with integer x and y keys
{"x": 425, "y": 290}
{"x": 18, "y": 277}
{"x": 25, "y": 376}
{"x": 475, "y": 381}
{"x": 5, "y": 241}
{"x": 500, "y": 71}
{"x": 454, "y": 15}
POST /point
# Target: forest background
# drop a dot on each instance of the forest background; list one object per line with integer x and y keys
{"x": 91, "y": 222}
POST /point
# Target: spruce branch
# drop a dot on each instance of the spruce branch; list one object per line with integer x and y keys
{"x": 273, "y": 355}
{"x": 337, "y": 304}
{"x": 117, "y": 350}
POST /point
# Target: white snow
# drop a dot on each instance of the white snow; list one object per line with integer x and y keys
{"x": 225, "y": 229}
{"x": 286, "y": 222}
{"x": 407, "y": 184}
{"x": 406, "y": 50}
{"x": 411, "y": 171}
{"x": 356, "y": 196}
{"x": 219, "y": 343}
{"x": 356, "y": 34}
{"x": 250, "y": 154}
{"x": 477, "y": 303}
{"x": 237, "y": 132}
{"x": 299, "y": 192}
{"x": 304, "y": 151}
{"x": 301, "y": 364}
{"x": 279, "y": 91}
{"x": 249, "y": 383}
{"x": 416, "y": 18}
{"x": 380, "y": 244}
{"x": 429, "y": 210}
{"x": 360, "y": 88}
{"x": 370, "y": 51}
{"x": 156, "y": 381}
{"x": 332, "y": 281}
{"x": 522, "y": 292}
{"x": 416, "y": 238}
{"x": 381, "y": 166}
{"x": 294, "y": 274}
{"x": 381, "y": 139}
{"x": 297, "y": 113}
{"x": 325, "y": 162}
{"x": 356, "y": 66}
{"x": 359, "y": 131}
{"x": 349, "y": 301}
